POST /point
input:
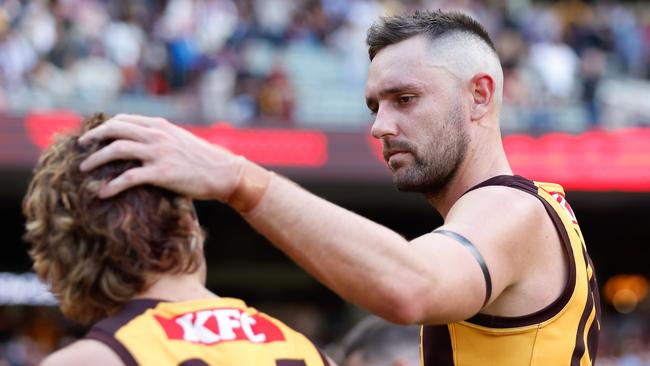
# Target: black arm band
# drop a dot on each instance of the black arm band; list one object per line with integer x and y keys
{"x": 479, "y": 258}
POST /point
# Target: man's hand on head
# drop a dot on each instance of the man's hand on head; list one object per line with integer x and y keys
{"x": 172, "y": 158}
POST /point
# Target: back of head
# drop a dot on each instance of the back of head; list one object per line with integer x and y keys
{"x": 96, "y": 254}
{"x": 458, "y": 42}
{"x": 375, "y": 342}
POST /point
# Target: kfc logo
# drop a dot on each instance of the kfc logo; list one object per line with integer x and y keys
{"x": 212, "y": 326}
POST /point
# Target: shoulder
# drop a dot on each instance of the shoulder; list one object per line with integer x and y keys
{"x": 498, "y": 208}
{"x": 498, "y": 198}
{"x": 505, "y": 221}
{"x": 83, "y": 352}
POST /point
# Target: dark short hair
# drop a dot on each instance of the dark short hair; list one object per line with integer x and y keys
{"x": 393, "y": 29}
{"x": 96, "y": 254}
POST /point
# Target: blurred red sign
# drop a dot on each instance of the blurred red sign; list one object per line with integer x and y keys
{"x": 591, "y": 161}
{"x": 43, "y": 126}
{"x": 278, "y": 147}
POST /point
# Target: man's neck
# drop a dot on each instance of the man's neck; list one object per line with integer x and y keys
{"x": 480, "y": 164}
{"x": 183, "y": 287}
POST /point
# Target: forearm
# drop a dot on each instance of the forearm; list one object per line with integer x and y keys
{"x": 364, "y": 262}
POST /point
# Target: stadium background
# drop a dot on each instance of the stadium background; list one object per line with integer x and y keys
{"x": 281, "y": 82}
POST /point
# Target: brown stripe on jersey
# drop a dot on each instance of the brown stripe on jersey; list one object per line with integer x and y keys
{"x": 494, "y": 321}
{"x": 593, "y": 333}
{"x": 594, "y": 329}
{"x": 288, "y": 362}
{"x": 129, "y": 311}
{"x": 591, "y": 305}
{"x": 104, "y": 330}
{"x": 193, "y": 362}
{"x": 579, "y": 348}
{"x": 513, "y": 181}
{"x": 436, "y": 346}
{"x": 114, "y": 345}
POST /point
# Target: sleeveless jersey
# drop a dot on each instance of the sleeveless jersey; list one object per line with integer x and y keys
{"x": 219, "y": 331}
{"x": 563, "y": 333}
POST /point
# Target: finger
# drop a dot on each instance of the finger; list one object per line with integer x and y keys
{"x": 140, "y": 120}
{"x": 115, "y": 129}
{"x": 130, "y": 178}
{"x": 116, "y": 150}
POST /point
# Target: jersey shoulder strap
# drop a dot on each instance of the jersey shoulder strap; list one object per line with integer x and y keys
{"x": 104, "y": 330}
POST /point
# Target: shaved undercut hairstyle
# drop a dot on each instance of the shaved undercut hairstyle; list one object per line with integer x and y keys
{"x": 459, "y": 43}
{"x": 433, "y": 24}
{"x": 96, "y": 254}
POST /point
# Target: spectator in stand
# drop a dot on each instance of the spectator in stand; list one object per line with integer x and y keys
{"x": 375, "y": 342}
{"x": 171, "y": 49}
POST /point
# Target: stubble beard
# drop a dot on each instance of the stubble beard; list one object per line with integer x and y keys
{"x": 436, "y": 164}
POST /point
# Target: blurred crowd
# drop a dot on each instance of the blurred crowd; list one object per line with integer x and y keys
{"x": 569, "y": 65}
{"x": 625, "y": 338}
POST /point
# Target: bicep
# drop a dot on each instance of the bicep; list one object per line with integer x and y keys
{"x": 458, "y": 284}
{"x": 500, "y": 241}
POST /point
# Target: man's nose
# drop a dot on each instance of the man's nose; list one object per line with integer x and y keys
{"x": 384, "y": 124}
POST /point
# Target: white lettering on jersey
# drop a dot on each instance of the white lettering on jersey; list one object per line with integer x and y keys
{"x": 246, "y": 325}
{"x": 195, "y": 329}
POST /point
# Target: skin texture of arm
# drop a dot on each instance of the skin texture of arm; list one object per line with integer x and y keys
{"x": 432, "y": 279}
{"x": 83, "y": 353}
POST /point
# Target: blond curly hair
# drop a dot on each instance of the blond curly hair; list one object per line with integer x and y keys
{"x": 96, "y": 254}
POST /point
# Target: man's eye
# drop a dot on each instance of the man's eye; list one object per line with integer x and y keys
{"x": 404, "y": 99}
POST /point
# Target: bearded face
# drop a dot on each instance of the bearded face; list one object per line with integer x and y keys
{"x": 434, "y": 160}
{"x": 421, "y": 115}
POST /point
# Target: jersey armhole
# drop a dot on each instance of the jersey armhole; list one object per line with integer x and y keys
{"x": 546, "y": 313}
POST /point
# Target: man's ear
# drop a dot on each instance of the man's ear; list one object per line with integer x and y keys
{"x": 482, "y": 88}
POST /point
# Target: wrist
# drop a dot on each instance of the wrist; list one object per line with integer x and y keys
{"x": 252, "y": 184}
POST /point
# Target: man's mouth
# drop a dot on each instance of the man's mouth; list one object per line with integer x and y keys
{"x": 390, "y": 153}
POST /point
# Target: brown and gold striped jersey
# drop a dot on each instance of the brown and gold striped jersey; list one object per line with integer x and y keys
{"x": 218, "y": 331}
{"x": 563, "y": 333}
